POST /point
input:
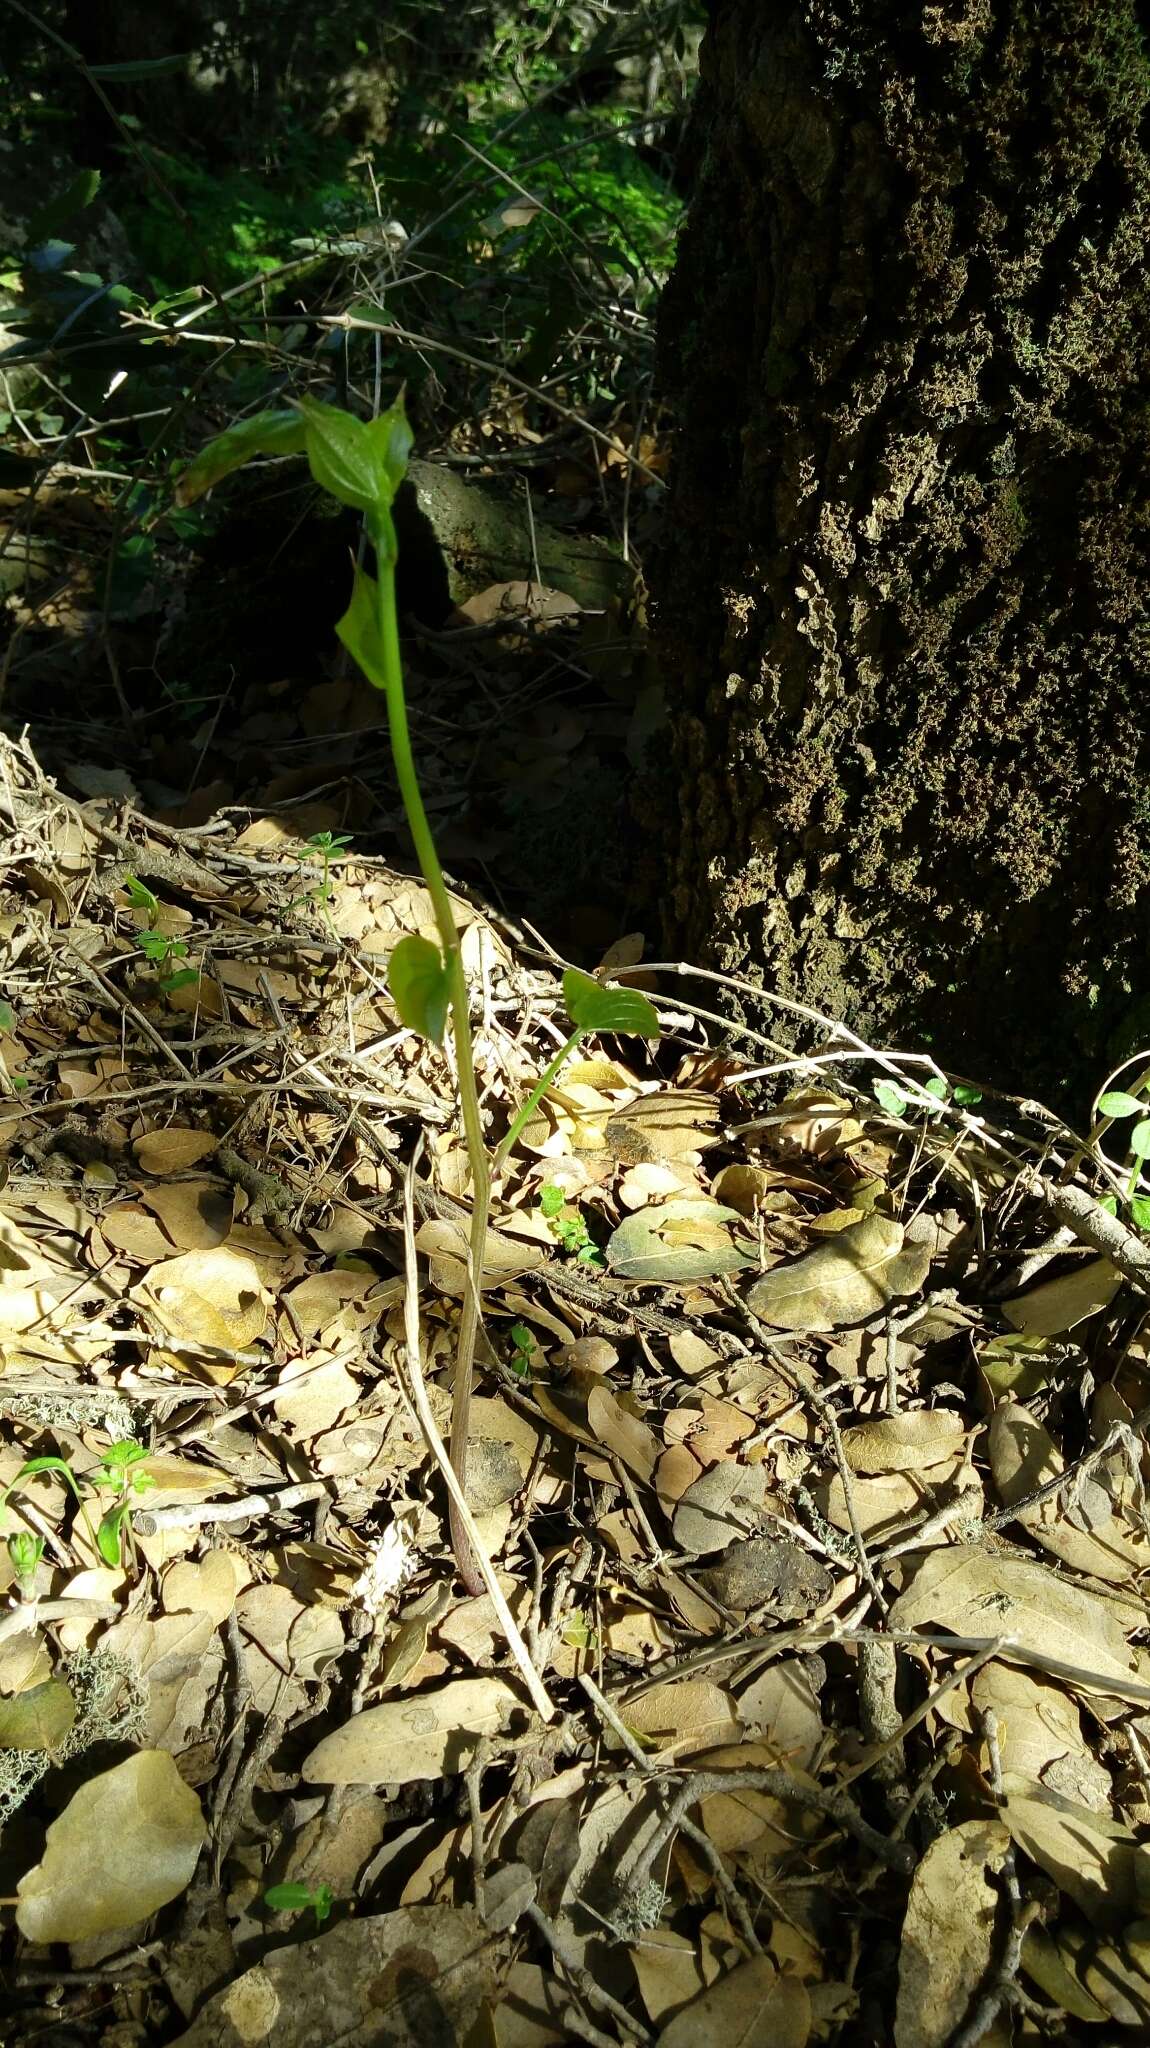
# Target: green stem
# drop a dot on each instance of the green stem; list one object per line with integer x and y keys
{"x": 523, "y": 1116}
{"x": 428, "y": 858}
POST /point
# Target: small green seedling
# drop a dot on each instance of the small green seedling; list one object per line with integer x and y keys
{"x": 328, "y": 845}
{"x": 158, "y": 949}
{"x": 896, "y": 1103}
{"x": 141, "y": 898}
{"x": 10, "y": 1084}
{"x": 297, "y": 1898}
{"x": 24, "y": 1554}
{"x": 578, "y": 1633}
{"x": 1119, "y": 1104}
{"x": 591, "y": 1006}
{"x": 114, "y": 1472}
{"x": 117, "y": 1472}
{"x": 568, "y": 1228}
{"x": 522, "y": 1351}
{"x": 32, "y": 1467}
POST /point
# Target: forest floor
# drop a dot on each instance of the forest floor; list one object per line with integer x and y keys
{"x": 805, "y": 1698}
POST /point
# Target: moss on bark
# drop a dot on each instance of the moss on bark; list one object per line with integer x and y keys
{"x": 901, "y": 606}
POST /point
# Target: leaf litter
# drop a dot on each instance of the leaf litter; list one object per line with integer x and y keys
{"x": 807, "y": 1698}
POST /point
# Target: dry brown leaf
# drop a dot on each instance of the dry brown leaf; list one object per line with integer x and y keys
{"x": 813, "y": 1122}
{"x": 173, "y": 1150}
{"x": 742, "y": 1821}
{"x": 690, "y": 1238}
{"x": 626, "y": 1436}
{"x": 684, "y": 1715}
{"x": 669, "y": 1971}
{"x": 334, "y": 1304}
{"x": 750, "y": 2007}
{"x": 445, "y": 1244}
{"x": 127, "y": 1842}
{"x": 781, "y": 1712}
{"x": 1096, "y": 1861}
{"x": 850, "y": 1278}
{"x": 655, "y": 1182}
{"x": 210, "y": 1587}
{"x": 24, "y": 1661}
{"x": 758, "y": 1190}
{"x": 713, "y": 1428}
{"x": 1046, "y": 1620}
{"x": 722, "y": 1504}
{"x": 1051, "y": 1966}
{"x": 180, "y": 1658}
{"x": 1023, "y": 1457}
{"x": 474, "y": 1629}
{"x": 1117, "y": 1977}
{"x": 1059, "y": 1304}
{"x": 430, "y": 1735}
{"x": 132, "y": 1230}
{"x": 314, "y": 1394}
{"x": 948, "y": 1934}
{"x": 215, "y": 1298}
{"x": 38, "y": 1717}
{"x": 672, "y": 1123}
{"x": 286, "y": 1637}
{"x": 883, "y": 1504}
{"x": 195, "y": 1214}
{"x": 416, "y": 1978}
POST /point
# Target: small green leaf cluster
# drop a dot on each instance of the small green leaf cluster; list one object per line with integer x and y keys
{"x": 117, "y": 1472}
{"x": 897, "y": 1103}
{"x": 568, "y": 1227}
{"x": 1119, "y": 1104}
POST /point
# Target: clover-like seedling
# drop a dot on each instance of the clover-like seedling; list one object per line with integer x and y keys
{"x": 568, "y": 1227}
{"x": 141, "y": 898}
{"x": 159, "y": 948}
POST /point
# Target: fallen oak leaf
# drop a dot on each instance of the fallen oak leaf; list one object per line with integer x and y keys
{"x": 859, "y": 1271}
{"x": 126, "y": 1843}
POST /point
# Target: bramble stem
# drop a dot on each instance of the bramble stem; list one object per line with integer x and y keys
{"x": 383, "y": 539}
{"x": 523, "y": 1116}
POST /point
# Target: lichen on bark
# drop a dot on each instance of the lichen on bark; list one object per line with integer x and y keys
{"x": 901, "y": 604}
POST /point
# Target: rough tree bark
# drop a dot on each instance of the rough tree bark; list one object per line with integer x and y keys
{"x": 902, "y": 603}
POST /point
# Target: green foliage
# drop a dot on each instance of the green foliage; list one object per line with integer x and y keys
{"x": 141, "y": 898}
{"x": 568, "y": 1227}
{"x": 24, "y": 1554}
{"x": 419, "y": 986}
{"x": 1120, "y": 1104}
{"x": 897, "y": 1102}
{"x": 523, "y": 1351}
{"x": 297, "y": 1898}
{"x": 592, "y": 1006}
{"x": 227, "y": 224}
{"x": 115, "y": 1473}
{"x": 159, "y": 950}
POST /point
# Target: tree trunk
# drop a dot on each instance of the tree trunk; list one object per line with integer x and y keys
{"x": 901, "y": 606}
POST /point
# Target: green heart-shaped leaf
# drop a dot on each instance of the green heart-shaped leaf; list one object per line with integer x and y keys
{"x": 417, "y": 979}
{"x": 267, "y": 433}
{"x": 595, "y": 1008}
